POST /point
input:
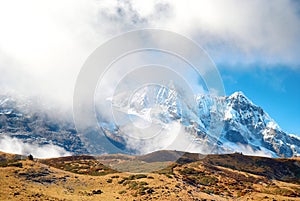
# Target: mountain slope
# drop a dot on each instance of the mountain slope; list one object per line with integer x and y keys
{"x": 33, "y": 124}
{"x": 210, "y": 124}
{"x": 209, "y": 178}
{"x": 156, "y": 118}
{"x": 248, "y": 124}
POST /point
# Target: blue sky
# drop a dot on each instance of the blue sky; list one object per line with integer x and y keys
{"x": 275, "y": 89}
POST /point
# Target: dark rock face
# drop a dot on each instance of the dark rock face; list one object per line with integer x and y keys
{"x": 37, "y": 127}
{"x": 235, "y": 136}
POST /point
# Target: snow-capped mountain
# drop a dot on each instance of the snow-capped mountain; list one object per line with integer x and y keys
{"x": 246, "y": 123}
{"x": 210, "y": 124}
{"x": 156, "y": 118}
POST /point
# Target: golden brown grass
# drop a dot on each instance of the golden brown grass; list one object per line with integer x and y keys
{"x": 199, "y": 180}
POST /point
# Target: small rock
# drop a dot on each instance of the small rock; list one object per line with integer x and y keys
{"x": 97, "y": 191}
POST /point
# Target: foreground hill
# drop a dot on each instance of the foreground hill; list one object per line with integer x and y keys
{"x": 212, "y": 177}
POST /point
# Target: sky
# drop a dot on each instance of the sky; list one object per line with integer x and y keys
{"x": 276, "y": 90}
{"x": 255, "y": 44}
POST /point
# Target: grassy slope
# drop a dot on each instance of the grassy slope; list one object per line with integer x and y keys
{"x": 211, "y": 178}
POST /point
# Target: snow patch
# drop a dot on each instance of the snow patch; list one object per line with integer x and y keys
{"x": 294, "y": 136}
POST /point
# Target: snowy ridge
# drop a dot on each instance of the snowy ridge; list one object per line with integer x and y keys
{"x": 246, "y": 125}
{"x": 166, "y": 118}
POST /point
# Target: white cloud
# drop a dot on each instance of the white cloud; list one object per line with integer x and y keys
{"x": 171, "y": 136}
{"x": 248, "y": 150}
{"x": 17, "y": 146}
{"x": 43, "y": 44}
{"x": 234, "y": 31}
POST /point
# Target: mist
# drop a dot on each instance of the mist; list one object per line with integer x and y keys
{"x": 17, "y": 146}
{"x": 248, "y": 150}
{"x": 44, "y": 44}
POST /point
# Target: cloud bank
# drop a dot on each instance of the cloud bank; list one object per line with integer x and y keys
{"x": 44, "y": 44}
{"x": 17, "y": 146}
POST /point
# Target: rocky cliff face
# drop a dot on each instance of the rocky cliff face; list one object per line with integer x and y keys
{"x": 19, "y": 120}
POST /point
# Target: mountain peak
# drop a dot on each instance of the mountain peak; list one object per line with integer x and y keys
{"x": 240, "y": 97}
{"x": 238, "y": 94}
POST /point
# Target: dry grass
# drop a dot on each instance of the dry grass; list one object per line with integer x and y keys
{"x": 53, "y": 180}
